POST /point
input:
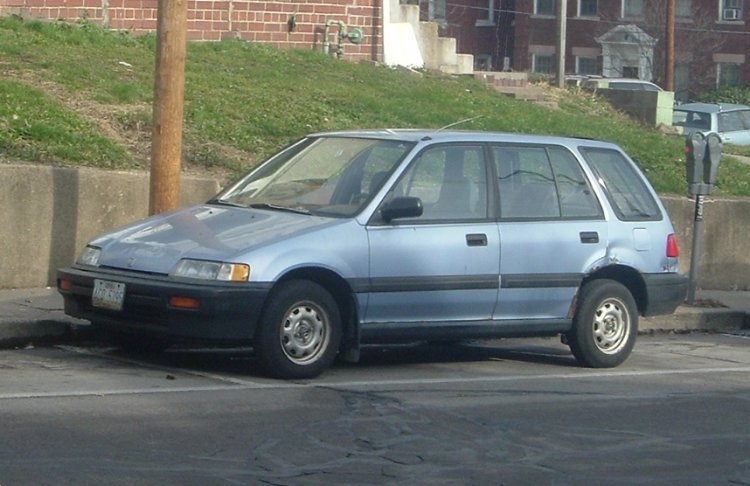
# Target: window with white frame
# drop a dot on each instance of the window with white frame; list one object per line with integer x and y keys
{"x": 684, "y": 9}
{"x": 544, "y": 7}
{"x": 728, "y": 74}
{"x": 586, "y": 65}
{"x": 632, "y": 8}
{"x": 487, "y": 17}
{"x": 730, "y": 10}
{"x": 588, "y": 8}
{"x": 543, "y": 63}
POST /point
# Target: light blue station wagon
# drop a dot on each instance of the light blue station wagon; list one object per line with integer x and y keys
{"x": 370, "y": 237}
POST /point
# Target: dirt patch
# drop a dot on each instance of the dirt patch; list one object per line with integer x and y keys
{"x": 129, "y": 125}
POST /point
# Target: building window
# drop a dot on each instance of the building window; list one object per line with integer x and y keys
{"x": 730, "y": 10}
{"x": 632, "y": 8}
{"x": 588, "y": 8}
{"x": 487, "y": 17}
{"x": 436, "y": 10}
{"x": 482, "y": 62}
{"x": 544, "y": 7}
{"x": 728, "y": 74}
{"x": 682, "y": 81}
{"x": 684, "y": 9}
{"x": 543, "y": 63}
{"x": 630, "y": 72}
{"x": 586, "y": 65}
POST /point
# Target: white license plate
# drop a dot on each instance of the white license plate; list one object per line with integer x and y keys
{"x": 108, "y": 295}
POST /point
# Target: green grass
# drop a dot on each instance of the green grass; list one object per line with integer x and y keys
{"x": 244, "y": 101}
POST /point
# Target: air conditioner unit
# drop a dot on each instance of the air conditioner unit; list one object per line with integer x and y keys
{"x": 732, "y": 14}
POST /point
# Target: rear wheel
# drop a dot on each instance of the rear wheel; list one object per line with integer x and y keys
{"x": 300, "y": 331}
{"x": 605, "y": 325}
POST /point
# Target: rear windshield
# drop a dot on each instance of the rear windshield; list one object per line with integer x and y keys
{"x": 692, "y": 119}
{"x": 625, "y": 188}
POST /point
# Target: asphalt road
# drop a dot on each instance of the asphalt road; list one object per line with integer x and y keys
{"x": 508, "y": 412}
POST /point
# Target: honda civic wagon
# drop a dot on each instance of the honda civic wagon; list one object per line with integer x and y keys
{"x": 372, "y": 237}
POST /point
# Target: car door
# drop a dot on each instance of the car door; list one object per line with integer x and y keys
{"x": 551, "y": 226}
{"x": 443, "y": 265}
{"x": 734, "y": 127}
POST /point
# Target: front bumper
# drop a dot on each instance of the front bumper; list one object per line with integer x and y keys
{"x": 664, "y": 292}
{"x": 228, "y": 312}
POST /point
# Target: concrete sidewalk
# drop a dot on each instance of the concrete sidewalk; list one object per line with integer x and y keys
{"x": 35, "y": 316}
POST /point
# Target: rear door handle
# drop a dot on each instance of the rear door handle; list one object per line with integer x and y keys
{"x": 476, "y": 239}
{"x": 589, "y": 237}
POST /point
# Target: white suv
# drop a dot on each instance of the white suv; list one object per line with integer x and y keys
{"x": 731, "y": 122}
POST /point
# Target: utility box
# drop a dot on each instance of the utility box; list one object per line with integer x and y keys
{"x": 703, "y": 156}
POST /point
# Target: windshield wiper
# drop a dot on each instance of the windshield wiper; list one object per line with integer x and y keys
{"x": 276, "y": 207}
{"x": 224, "y": 202}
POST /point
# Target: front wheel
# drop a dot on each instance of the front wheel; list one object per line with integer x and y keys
{"x": 299, "y": 333}
{"x": 605, "y": 325}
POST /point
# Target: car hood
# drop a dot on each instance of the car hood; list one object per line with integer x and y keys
{"x": 203, "y": 232}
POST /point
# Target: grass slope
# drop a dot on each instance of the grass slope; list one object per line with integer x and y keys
{"x": 80, "y": 95}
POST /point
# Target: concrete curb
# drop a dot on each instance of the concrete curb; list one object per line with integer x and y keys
{"x": 696, "y": 319}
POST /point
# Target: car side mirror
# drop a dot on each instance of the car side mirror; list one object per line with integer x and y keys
{"x": 401, "y": 207}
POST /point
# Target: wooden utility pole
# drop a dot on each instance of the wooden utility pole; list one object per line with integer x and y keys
{"x": 169, "y": 89}
{"x": 562, "y": 19}
{"x": 669, "y": 57}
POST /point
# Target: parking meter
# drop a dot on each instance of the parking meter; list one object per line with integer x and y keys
{"x": 712, "y": 159}
{"x": 695, "y": 151}
{"x": 703, "y": 155}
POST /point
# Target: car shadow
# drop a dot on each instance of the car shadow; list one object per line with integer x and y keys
{"x": 467, "y": 352}
{"x": 242, "y": 361}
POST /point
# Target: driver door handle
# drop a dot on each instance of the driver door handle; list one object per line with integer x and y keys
{"x": 476, "y": 239}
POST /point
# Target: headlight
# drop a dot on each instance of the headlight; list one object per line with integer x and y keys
{"x": 206, "y": 270}
{"x": 90, "y": 256}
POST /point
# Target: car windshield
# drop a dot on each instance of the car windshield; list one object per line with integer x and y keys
{"x": 330, "y": 176}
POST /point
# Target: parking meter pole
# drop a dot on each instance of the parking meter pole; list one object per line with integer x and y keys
{"x": 696, "y": 251}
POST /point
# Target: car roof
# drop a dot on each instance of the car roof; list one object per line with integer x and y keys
{"x": 710, "y": 107}
{"x": 437, "y": 135}
{"x": 596, "y": 79}
{"x": 625, "y": 80}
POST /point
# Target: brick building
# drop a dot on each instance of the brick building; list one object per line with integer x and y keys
{"x": 614, "y": 38}
{"x": 297, "y": 24}
{"x": 604, "y": 37}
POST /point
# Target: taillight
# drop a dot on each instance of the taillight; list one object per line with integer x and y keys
{"x": 673, "y": 250}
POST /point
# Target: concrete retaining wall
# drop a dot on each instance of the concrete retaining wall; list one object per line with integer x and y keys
{"x": 49, "y": 213}
{"x": 725, "y": 242}
{"x": 649, "y": 107}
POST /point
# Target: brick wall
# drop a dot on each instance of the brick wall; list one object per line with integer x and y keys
{"x": 208, "y": 20}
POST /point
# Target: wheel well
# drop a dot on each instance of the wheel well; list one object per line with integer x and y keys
{"x": 340, "y": 290}
{"x": 627, "y": 276}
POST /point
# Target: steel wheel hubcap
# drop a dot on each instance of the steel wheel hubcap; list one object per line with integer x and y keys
{"x": 304, "y": 333}
{"x": 611, "y": 326}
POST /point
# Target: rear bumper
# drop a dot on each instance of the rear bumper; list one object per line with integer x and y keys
{"x": 664, "y": 292}
{"x": 227, "y": 312}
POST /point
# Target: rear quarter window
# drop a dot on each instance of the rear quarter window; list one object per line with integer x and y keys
{"x": 625, "y": 189}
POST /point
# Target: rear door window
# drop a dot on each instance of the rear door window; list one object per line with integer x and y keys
{"x": 542, "y": 182}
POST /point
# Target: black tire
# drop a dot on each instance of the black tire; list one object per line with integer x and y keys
{"x": 299, "y": 333}
{"x": 605, "y": 325}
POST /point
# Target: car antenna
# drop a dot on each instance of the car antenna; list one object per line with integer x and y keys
{"x": 465, "y": 120}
